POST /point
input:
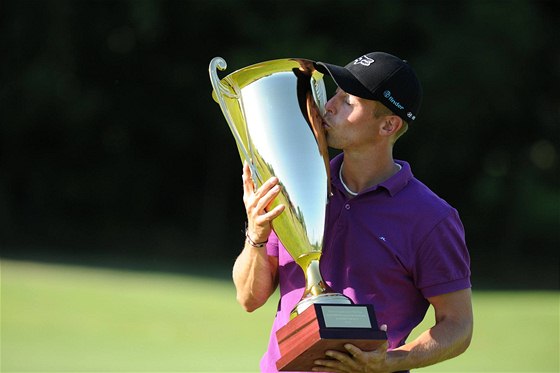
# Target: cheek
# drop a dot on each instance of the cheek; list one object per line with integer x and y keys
{"x": 348, "y": 113}
{"x": 357, "y": 117}
{"x": 353, "y": 117}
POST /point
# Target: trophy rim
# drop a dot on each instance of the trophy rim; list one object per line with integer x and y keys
{"x": 246, "y": 75}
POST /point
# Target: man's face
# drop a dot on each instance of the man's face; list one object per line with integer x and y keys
{"x": 349, "y": 121}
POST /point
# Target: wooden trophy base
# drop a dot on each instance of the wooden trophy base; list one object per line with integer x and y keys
{"x": 323, "y": 327}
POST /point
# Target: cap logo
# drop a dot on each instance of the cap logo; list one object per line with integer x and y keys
{"x": 364, "y": 60}
{"x": 387, "y": 95}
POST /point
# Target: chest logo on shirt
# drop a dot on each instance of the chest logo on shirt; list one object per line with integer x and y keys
{"x": 383, "y": 238}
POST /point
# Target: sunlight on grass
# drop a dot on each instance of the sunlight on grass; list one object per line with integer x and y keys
{"x": 58, "y": 318}
{"x": 61, "y": 318}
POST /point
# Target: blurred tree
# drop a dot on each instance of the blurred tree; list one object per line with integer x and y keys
{"x": 112, "y": 146}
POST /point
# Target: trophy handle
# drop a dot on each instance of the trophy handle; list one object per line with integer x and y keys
{"x": 220, "y": 91}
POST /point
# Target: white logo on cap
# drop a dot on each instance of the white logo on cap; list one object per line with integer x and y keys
{"x": 364, "y": 60}
{"x": 410, "y": 115}
{"x": 387, "y": 95}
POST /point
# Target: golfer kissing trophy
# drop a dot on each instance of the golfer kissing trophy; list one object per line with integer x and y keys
{"x": 273, "y": 110}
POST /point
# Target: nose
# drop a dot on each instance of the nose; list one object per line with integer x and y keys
{"x": 329, "y": 106}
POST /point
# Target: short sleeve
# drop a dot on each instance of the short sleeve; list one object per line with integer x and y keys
{"x": 272, "y": 244}
{"x": 442, "y": 263}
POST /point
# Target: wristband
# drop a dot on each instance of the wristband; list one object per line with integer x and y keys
{"x": 253, "y": 243}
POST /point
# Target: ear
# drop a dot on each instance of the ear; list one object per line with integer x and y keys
{"x": 391, "y": 125}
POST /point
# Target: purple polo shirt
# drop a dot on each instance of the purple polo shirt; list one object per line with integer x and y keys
{"x": 393, "y": 246}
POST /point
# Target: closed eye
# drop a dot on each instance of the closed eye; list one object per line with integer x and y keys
{"x": 345, "y": 96}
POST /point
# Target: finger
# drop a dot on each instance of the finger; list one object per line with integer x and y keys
{"x": 379, "y": 350}
{"x": 353, "y": 350}
{"x": 384, "y": 346}
{"x": 360, "y": 358}
{"x": 274, "y": 213}
{"x": 343, "y": 361}
{"x": 263, "y": 201}
{"x": 340, "y": 356}
{"x": 266, "y": 218}
{"x": 248, "y": 186}
{"x": 357, "y": 355}
{"x": 323, "y": 368}
{"x": 266, "y": 187}
{"x": 326, "y": 365}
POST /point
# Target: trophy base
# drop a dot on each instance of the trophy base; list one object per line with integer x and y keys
{"x": 324, "y": 327}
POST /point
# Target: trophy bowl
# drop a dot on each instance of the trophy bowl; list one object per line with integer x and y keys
{"x": 274, "y": 112}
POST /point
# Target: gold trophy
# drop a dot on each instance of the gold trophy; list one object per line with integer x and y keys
{"x": 274, "y": 110}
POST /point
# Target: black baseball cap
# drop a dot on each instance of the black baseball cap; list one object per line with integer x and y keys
{"x": 381, "y": 77}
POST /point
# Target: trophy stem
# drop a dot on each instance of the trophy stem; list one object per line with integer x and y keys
{"x": 315, "y": 284}
{"x": 316, "y": 289}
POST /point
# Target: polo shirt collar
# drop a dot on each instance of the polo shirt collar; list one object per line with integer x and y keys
{"x": 393, "y": 185}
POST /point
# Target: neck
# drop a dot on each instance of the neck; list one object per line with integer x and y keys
{"x": 359, "y": 173}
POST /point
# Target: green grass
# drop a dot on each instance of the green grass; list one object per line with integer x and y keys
{"x": 75, "y": 319}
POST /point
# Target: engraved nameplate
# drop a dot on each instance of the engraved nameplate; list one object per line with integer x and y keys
{"x": 346, "y": 317}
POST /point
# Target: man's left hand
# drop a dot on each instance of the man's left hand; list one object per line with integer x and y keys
{"x": 355, "y": 360}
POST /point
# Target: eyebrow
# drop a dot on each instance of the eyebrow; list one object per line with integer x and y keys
{"x": 338, "y": 89}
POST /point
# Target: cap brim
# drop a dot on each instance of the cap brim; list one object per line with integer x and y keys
{"x": 344, "y": 79}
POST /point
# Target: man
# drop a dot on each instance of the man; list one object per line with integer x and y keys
{"x": 389, "y": 240}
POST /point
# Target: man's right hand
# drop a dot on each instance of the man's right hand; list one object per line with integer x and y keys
{"x": 256, "y": 205}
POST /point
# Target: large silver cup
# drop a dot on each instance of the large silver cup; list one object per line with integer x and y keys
{"x": 273, "y": 110}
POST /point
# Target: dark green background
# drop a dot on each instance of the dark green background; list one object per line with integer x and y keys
{"x": 113, "y": 152}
